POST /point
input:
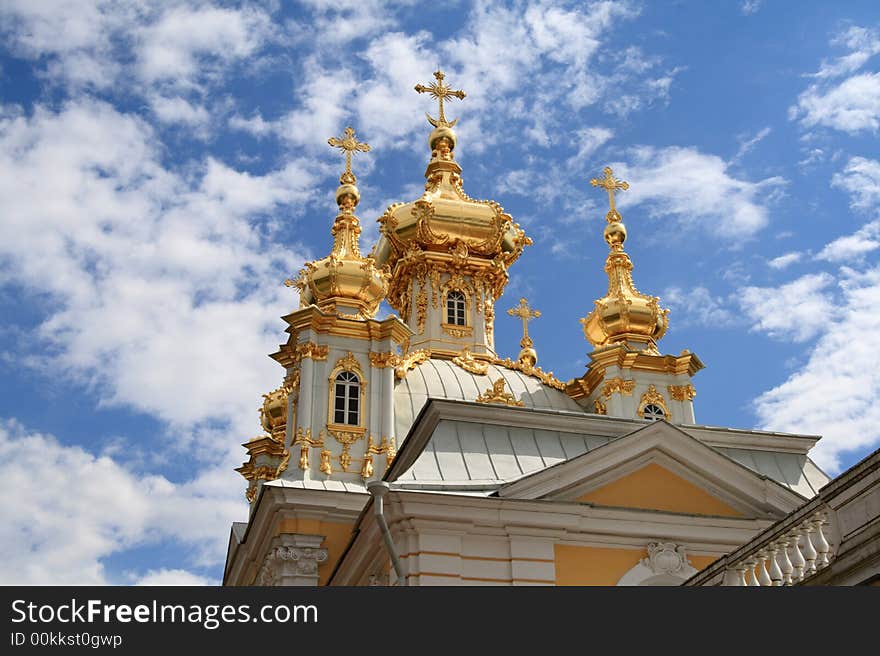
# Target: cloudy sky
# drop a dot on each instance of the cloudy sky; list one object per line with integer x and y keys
{"x": 164, "y": 166}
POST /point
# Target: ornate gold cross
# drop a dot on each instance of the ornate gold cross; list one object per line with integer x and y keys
{"x": 349, "y": 145}
{"x": 610, "y": 185}
{"x": 439, "y": 91}
{"x": 524, "y": 312}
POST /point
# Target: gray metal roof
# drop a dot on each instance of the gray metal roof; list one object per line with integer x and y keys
{"x": 441, "y": 379}
{"x": 474, "y": 456}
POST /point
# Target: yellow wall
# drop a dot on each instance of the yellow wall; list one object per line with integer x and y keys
{"x": 337, "y": 537}
{"x": 602, "y": 566}
{"x": 656, "y": 488}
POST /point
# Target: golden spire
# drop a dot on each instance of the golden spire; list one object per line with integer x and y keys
{"x": 439, "y": 91}
{"x": 624, "y": 315}
{"x": 344, "y": 280}
{"x": 349, "y": 145}
{"x": 524, "y": 312}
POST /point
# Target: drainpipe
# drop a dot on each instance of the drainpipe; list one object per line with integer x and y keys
{"x": 378, "y": 489}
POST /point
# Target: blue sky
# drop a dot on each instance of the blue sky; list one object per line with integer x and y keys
{"x": 164, "y": 167}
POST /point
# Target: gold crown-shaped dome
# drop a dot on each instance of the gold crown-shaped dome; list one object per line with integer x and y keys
{"x": 623, "y": 314}
{"x": 345, "y": 282}
{"x": 445, "y": 219}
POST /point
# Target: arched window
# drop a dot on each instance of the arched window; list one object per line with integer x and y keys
{"x": 455, "y": 308}
{"x": 346, "y": 409}
{"x": 653, "y": 412}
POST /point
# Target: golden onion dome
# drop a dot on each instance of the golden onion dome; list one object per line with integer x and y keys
{"x": 345, "y": 282}
{"x": 445, "y": 219}
{"x": 623, "y": 314}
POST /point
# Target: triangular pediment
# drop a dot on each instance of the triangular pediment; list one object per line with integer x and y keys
{"x": 659, "y": 467}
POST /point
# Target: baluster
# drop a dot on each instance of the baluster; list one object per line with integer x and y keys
{"x": 741, "y": 572}
{"x": 763, "y": 577}
{"x": 784, "y": 562}
{"x": 822, "y": 546}
{"x": 751, "y": 577}
{"x": 797, "y": 558}
{"x": 809, "y": 550}
{"x": 732, "y": 577}
{"x": 775, "y": 570}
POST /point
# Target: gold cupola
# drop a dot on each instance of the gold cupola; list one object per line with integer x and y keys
{"x": 623, "y": 315}
{"x": 344, "y": 282}
{"x": 447, "y": 241}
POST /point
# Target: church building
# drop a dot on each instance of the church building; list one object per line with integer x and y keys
{"x": 406, "y": 451}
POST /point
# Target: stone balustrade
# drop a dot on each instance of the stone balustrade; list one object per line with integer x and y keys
{"x": 785, "y": 554}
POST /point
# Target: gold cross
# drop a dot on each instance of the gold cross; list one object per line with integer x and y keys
{"x": 524, "y": 312}
{"x": 610, "y": 185}
{"x": 349, "y": 145}
{"x": 439, "y": 91}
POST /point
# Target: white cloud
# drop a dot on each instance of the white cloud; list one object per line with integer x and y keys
{"x": 255, "y": 125}
{"x": 784, "y": 261}
{"x": 178, "y": 110}
{"x": 696, "y": 306}
{"x": 850, "y": 249}
{"x": 749, "y": 7}
{"x": 748, "y": 143}
{"x": 862, "y": 44}
{"x": 798, "y": 310}
{"x": 85, "y": 42}
{"x": 173, "y": 577}
{"x": 82, "y": 508}
{"x": 852, "y": 104}
{"x": 835, "y": 393}
{"x": 696, "y": 188}
{"x": 165, "y": 291}
{"x": 184, "y": 43}
{"x": 861, "y": 178}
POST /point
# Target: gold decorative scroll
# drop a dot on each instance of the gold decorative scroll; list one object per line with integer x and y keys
{"x": 682, "y": 392}
{"x": 468, "y": 362}
{"x": 618, "y": 386}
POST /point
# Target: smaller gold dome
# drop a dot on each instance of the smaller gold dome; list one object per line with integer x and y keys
{"x": 623, "y": 314}
{"x": 345, "y": 282}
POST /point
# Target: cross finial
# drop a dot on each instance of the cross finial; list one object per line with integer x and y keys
{"x": 524, "y": 312}
{"x": 610, "y": 185}
{"x": 349, "y": 144}
{"x": 439, "y": 91}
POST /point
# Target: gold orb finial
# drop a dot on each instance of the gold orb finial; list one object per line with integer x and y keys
{"x": 527, "y": 355}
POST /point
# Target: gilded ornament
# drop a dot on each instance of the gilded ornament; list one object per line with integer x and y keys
{"x": 421, "y": 307}
{"x": 466, "y": 360}
{"x": 618, "y": 386}
{"x": 652, "y": 397}
{"x": 545, "y": 377}
{"x": 456, "y": 331}
{"x": 326, "y": 468}
{"x": 348, "y": 363}
{"x": 346, "y": 439}
{"x": 303, "y": 439}
{"x": 384, "y": 359}
{"x": 527, "y": 355}
{"x": 682, "y": 392}
{"x": 367, "y": 469}
{"x": 440, "y": 91}
{"x": 311, "y": 350}
{"x": 410, "y": 360}
{"x": 599, "y": 407}
{"x": 497, "y": 394}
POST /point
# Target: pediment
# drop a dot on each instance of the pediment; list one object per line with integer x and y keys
{"x": 659, "y": 467}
